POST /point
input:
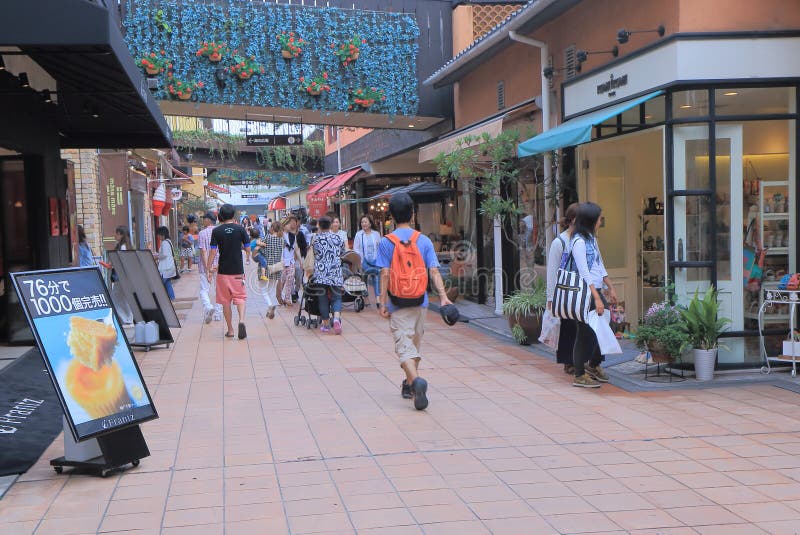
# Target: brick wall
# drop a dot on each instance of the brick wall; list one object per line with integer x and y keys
{"x": 87, "y": 193}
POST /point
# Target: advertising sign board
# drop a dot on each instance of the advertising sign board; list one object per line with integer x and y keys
{"x": 87, "y": 355}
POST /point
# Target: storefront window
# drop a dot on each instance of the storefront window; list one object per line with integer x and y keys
{"x": 654, "y": 110}
{"x": 690, "y": 103}
{"x": 754, "y": 101}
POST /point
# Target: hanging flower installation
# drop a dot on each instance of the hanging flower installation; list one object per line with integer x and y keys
{"x": 291, "y": 45}
{"x": 183, "y": 90}
{"x": 349, "y": 51}
{"x": 364, "y": 98}
{"x": 314, "y": 86}
{"x": 245, "y": 67}
{"x": 155, "y": 63}
{"x": 213, "y": 50}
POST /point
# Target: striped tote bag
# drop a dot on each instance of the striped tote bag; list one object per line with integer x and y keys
{"x": 572, "y": 296}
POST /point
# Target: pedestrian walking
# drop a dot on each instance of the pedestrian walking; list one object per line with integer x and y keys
{"x": 166, "y": 261}
{"x": 273, "y": 253}
{"x": 290, "y": 256}
{"x": 366, "y": 243}
{"x": 85, "y": 255}
{"x": 566, "y": 336}
{"x": 589, "y": 264}
{"x": 187, "y": 249}
{"x": 328, "y": 249}
{"x": 336, "y": 227}
{"x": 256, "y": 254}
{"x": 121, "y": 304}
{"x": 228, "y": 240}
{"x": 204, "y": 247}
{"x": 406, "y": 257}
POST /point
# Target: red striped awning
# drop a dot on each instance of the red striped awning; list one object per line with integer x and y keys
{"x": 316, "y": 187}
{"x": 338, "y": 181}
{"x": 278, "y": 203}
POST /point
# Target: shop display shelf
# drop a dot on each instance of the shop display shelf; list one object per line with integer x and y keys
{"x": 775, "y": 216}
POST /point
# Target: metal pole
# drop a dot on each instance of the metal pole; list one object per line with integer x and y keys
{"x": 338, "y": 150}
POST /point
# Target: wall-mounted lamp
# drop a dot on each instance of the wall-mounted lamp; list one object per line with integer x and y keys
{"x": 23, "y": 79}
{"x": 583, "y": 55}
{"x": 47, "y": 96}
{"x": 549, "y": 72}
{"x": 2, "y": 64}
{"x": 624, "y": 35}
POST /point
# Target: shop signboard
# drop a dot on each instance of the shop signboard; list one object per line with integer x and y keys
{"x": 273, "y": 140}
{"x": 87, "y": 355}
{"x": 317, "y": 204}
{"x": 113, "y": 196}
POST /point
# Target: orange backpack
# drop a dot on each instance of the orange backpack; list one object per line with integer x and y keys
{"x": 408, "y": 276}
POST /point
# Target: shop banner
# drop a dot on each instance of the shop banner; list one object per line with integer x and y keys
{"x": 317, "y": 204}
{"x": 113, "y": 195}
{"x": 86, "y": 352}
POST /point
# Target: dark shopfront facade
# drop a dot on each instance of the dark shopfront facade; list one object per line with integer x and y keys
{"x": 696, "y": 175}
{"x": 66, "y": 81}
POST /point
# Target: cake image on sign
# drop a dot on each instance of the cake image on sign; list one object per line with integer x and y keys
{"x": 93, "y": 379}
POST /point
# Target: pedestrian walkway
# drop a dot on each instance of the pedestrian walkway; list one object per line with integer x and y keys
{"x": 291, "y": 431}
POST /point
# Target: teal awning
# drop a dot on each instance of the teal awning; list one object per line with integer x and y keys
{"x": 577, "y": 130}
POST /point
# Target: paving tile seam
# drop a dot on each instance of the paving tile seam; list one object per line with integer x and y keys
{"x": 52, "y": 502}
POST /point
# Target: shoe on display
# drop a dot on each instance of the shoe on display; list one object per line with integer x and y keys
{"x": 597, "y": 373}
{"x": 584, "y": 381}
{"x": 420, "y": 389}
{"x": 405, "y": 390}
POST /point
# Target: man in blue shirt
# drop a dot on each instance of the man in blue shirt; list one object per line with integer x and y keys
{"x": 408, "y": 323}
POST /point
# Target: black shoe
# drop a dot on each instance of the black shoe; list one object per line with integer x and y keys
{"x": 242, "y": 332}
{"x": 420, "y": 388}
{"x": 295, "y": 297}
{"x": 405, "y": 390}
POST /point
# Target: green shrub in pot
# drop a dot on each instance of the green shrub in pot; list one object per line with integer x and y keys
{"x": 524, "y": 310}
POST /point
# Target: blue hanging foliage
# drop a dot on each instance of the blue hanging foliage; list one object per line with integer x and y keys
{"x": 387, "y": 60}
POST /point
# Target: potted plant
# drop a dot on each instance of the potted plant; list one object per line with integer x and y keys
{"x": 703, "y": 326}
{"x": 662, "y": 332}
{"x": 291, "y": 45}
{"x": 350, "y": 50}
{"x": 314, "y": 86}
{"x": 363, "y": 98}
{"x": 155, "y": 63}
{"x": 244, "y": 67}
{"x": 213, "y": 50}
{"x": 183, "y": 90}
{"x": 524, "y": 310}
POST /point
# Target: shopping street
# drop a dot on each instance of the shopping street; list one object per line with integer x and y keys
{"x": 291, "y": 431}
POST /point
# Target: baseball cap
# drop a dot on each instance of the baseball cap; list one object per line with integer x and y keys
{"x": 210, "y": 216}
{"x": 450, "y": 314}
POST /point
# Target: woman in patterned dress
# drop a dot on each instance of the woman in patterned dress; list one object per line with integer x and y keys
{"x": 328, "y": 250}
{"x": 273, "y": 252}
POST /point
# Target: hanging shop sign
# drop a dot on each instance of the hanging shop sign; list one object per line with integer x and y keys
{"x": 249, "y": 196}
{"x": 273, "y": 140}
{"x": 113, "y": 196}
{"x": 251, "y": 182}
{"x": 87, "y": 355}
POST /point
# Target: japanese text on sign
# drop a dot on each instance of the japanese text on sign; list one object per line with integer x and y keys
{"x": 51, "y": 297}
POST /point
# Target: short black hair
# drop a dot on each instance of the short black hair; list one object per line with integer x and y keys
{"x": 254, "y": 233}
{"x": 163, "y": 232}
{"x": 185, "y": 229}
{"x": 226, "y": 212}
{"x": 325, "y": 222}
{"x": 586, "y": 219}
{"x": 401, "y": 207}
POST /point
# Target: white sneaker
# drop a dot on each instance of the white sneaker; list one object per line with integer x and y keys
{"x": 217, "y": 317}
{"x": 208, "y": 314}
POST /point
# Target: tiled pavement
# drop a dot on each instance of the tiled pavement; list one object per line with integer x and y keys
{"x": 294, "y": 432}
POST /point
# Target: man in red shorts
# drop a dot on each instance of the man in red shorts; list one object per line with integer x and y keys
{"x": 228, "y": 240}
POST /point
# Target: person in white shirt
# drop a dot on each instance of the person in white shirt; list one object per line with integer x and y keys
{"x": 589, "y": 264}
{"x": 336, "y": 227}
{"x": 366, "y": 244}
{"x": 204, "y": 246}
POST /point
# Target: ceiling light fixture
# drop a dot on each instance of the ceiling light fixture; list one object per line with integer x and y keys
{"x": 46, "y": 96}
{"x": 23, "y": 79}
{"x": 624, "y": 35}
{"x": 2, "y": 64}
{"x": 731, "y": 93}
{"x": 685, "y": 106}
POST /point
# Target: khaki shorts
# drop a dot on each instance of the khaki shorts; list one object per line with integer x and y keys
{"x": 231, "y": 289}
{"x": 407, "y": 326}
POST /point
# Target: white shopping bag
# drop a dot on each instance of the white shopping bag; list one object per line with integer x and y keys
{"x": 609, "y": 345}
{"x": 551, "y": 327}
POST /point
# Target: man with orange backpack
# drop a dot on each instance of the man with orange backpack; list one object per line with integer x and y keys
{"x": 405, "y": 257}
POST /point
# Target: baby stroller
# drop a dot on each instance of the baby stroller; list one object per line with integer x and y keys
{"x": 354, "y": 289}
{"x": 309, "y": 303}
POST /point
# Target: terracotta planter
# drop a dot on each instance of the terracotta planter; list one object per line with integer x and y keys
{"x": 185, "y": 95}
{"x": 244, "y": 75}
{"x": 314, "y": 92}
{"x": 531, "y": 325}
{"x": 152, "y": 72}
{"x": 286, "y": 54}
{"x": 354, "y": 55}
{"x": 214, "y": 58}
{"x": 659, "y": 354}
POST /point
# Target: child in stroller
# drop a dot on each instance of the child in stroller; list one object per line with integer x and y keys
{"x": 309, "y": 303}
{"x": 355, "y": 289}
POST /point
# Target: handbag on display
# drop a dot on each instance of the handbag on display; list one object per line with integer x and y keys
{"x": 572, "y": 296}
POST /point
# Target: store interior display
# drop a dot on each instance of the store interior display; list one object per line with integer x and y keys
{"x": 652, "y": 272}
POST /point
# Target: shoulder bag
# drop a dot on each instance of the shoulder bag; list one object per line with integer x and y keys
{"x": 572, "y": 296}
{"x": 172, "y": 252}
{"x": 308, "y": 260}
